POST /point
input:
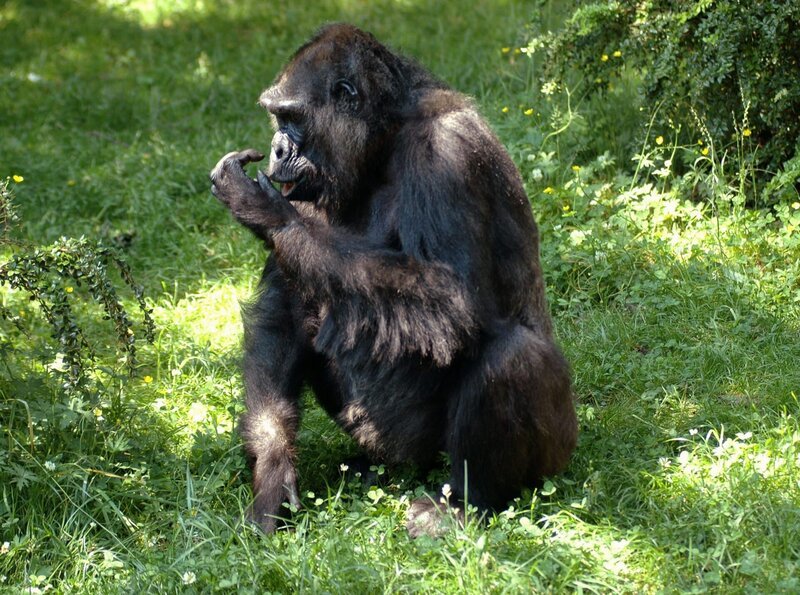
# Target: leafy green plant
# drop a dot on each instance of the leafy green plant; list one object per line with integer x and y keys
{"x": 47, "y": 273}
{"x": 729, "y": 65}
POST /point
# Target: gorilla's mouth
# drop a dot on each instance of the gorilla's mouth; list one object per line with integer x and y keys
{"x": 300, "y": 188}
{"x": 288, "y": 187}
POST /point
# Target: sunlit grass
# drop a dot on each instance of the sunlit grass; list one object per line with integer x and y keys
{"x": 209, "y": 317}
{"x": 154, "y": 12}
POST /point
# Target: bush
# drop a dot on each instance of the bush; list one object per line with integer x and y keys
{"x": 47, "y": 273}
{"x": 728, "y": 67}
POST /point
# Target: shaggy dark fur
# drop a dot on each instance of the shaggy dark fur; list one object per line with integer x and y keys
{"x": 403, "y": 286}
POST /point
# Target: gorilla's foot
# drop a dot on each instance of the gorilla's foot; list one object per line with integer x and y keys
{"x": 434, "y": 519}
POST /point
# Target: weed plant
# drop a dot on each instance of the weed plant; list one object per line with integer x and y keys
{"x": 680, "y": 317}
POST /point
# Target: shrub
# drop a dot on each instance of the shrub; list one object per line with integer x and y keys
{"x": 726, "y": 65}
{"x": 47, "y": 273}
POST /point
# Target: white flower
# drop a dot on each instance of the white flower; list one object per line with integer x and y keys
{"x": 50, "y": 465}
{"x": 549, "y": 87}
{"x": 198, "y": 412}
{"x": 188, "y": 577}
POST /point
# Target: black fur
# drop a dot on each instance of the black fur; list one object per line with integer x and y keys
{"x": 404, "y": 284}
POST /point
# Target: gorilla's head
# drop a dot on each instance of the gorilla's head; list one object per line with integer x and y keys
{"x": 332, "y": 107}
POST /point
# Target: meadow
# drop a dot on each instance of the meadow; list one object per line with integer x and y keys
{"x": 680, "y": 317}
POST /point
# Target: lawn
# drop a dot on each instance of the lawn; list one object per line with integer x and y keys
{"x": 680, "y": 318}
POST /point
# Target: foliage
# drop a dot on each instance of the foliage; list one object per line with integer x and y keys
{"x": 680, "y": 317}
{"x": 729, "y": 66}
{"x": 45, "y": 273}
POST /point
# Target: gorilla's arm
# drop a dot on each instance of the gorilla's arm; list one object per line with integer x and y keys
{"x": 401, "y": 304}
{"x": 413, "y": 301}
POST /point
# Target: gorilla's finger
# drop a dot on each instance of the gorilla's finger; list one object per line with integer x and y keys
{"x": 219, "y": 168}
{"x": 249, "y": 156}
{"x": 235, "y": 160}
{"x": 266, "y": 185}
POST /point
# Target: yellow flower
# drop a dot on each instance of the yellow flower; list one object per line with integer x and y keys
{"x": 604, "y": 58}
{"x": 18, "y": 179}
{"x": 528, "y": 112}
{"x": 576, "y": 168}
{"x": 746, "y": 132}
{"x": 704, "y": 151}
{"x": 548, "y": 190}
{"x": 796, "y": 205}
{"x": 565, "y": 208}
{"x": 659, "y": 140}
{"x": 700, "y": 141}
{"x": 505, "y": 50}
{"x": 148, "y": 379}
{"x": 618, "y": 54}
{"x": 71, "y": 182}
{"x": 68, "y": 289}
{"x": 598, "y": 80}
{"x": 505, "y": 109}
{"x": 517, "y": 51}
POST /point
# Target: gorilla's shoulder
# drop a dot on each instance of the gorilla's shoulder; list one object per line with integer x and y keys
{"x": 435, "y": 103}
{"x": 446, "y": 131}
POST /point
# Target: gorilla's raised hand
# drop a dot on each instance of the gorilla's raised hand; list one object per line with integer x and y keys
{"x": 255, "y": 204}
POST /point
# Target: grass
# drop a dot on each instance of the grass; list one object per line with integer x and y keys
{"x": 680, "y": 319}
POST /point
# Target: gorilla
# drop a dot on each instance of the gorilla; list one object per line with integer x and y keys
{"x": 403, "y": 284}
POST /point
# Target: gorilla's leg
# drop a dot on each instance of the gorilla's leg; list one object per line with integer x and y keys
{"x": 511, "y": 421}
{"x": 272, "y": 371}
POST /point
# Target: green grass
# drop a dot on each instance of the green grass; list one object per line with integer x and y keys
{"x": 681, "y": 320}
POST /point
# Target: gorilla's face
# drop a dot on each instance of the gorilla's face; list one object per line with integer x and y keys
{"x": 329, "y": 106}
{"x": 289, "y": 163}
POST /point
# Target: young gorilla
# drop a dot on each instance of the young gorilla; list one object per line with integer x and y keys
{"x": 404, "y": 284}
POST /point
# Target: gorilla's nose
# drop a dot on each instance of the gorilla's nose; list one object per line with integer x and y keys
{"x": 280, "y": 147}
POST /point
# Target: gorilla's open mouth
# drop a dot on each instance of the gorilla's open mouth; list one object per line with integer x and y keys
{"x": 288, "y": 187}
{"x": 302, "y": 188}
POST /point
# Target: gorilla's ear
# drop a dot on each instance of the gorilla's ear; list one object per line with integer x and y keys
{"x": 344, "y": 88}
{"x": 345, "y": 94}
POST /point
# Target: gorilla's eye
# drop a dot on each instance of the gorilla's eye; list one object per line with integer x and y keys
{"x": 287, "y": 118}
{"x": 344, "y": 89}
